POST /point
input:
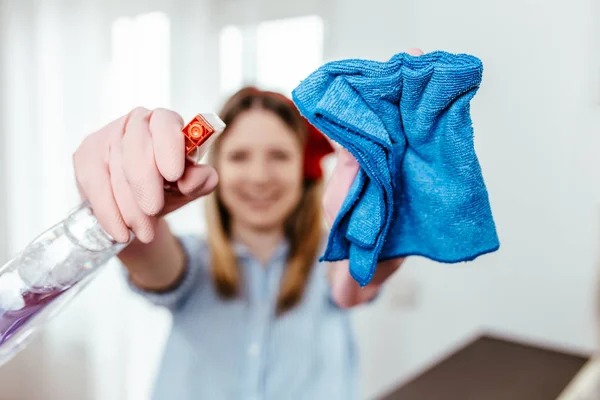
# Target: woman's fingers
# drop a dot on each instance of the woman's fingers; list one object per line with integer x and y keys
{"x": 169, "y": 145}
{"x": 198, "y": 180}
{"x": 142, "y": 225}
{"x": 93, "y": 179}
{"x": 415, "y": 52}
{"x": 121, "y": 169}
{"x": 338, "y": 186}
{"x": 139, "y": 163}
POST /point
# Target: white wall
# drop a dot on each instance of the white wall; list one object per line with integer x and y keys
{"x": 537, "y": 124}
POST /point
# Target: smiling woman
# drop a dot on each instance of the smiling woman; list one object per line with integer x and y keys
{"x": 260, "y": 168}
{"x": 261, "y": 165}
{"x": 253, "y": 310}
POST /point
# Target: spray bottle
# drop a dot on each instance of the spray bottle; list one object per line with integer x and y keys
{"x": 45, "y": 276}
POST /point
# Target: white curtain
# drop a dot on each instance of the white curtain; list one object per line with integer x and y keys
{"x": 68, "y": 67}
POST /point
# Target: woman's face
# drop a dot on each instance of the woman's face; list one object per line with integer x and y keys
{"x": 260, "y": 165}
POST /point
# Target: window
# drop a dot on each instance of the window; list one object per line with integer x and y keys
{"x": 287, "y": 51}
{"x": 231, "y": 59}
{"x": 274, "y": 55}
{"x": 140, "y": 54}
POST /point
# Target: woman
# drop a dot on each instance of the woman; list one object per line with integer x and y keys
{"x": 255, "y": 316}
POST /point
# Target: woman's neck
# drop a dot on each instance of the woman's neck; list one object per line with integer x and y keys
{"x": 262, "y": 243}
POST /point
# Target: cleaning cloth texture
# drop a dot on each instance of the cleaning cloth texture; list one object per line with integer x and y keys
{"x": 419, "y": 189}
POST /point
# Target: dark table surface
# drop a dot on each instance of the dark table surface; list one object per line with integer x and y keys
{"x": 492, "y": 368}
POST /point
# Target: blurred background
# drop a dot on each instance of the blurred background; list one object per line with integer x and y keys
{"x": 67, "y": 67}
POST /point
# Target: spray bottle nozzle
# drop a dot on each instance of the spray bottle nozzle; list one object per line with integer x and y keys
{"x": 199, "y": 134}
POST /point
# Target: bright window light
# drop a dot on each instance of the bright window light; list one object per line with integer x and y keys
{"x": 231, "y": 59}
{"x": 273, "y": 55}
{"x": 140, "y": 68}
{"x": 288, "y": 50}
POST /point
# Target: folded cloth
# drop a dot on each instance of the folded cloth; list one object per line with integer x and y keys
{"x": 420, "y": 189}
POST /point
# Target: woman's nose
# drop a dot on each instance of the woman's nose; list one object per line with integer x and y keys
{"x": 259, "y": 171}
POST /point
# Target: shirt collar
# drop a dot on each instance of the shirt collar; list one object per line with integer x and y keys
{"x": 243, "y": 251}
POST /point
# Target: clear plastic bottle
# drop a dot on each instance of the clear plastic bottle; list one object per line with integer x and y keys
{"x": 53, "y": 268}
{"x": 49, "y": 271}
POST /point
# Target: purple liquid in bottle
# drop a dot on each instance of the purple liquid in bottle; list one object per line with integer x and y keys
{"x": 40, "y": 280}
{"x": 12, "y": 321}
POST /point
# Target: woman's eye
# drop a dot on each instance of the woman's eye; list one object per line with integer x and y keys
{"x": 280, "y": 155}
{"x": 237, "y": 156}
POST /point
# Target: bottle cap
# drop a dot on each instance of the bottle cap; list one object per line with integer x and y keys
{"x": 200, "y": 133}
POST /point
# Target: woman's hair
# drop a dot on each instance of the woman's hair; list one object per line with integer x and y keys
{"x": 303, "y": 229}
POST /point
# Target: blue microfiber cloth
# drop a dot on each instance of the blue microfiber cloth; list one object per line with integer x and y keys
{"x": 419, "y": 189}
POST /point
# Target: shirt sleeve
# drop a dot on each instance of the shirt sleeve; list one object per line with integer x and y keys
{"x": 176, "y": 297}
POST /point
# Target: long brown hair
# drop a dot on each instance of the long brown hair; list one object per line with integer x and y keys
{"x": 303, "y": 229}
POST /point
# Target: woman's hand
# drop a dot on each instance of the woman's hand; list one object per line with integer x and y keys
{"x": 121, "y": 169}
{"x": 345, "y": 290}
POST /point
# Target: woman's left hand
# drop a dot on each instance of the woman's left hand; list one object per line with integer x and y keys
{"x": 346, "y": 291}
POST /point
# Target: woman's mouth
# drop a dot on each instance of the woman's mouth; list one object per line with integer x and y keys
{"x": 259, "y": 200}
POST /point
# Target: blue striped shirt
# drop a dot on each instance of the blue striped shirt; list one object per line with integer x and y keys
{"x": 239, "y": 350}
